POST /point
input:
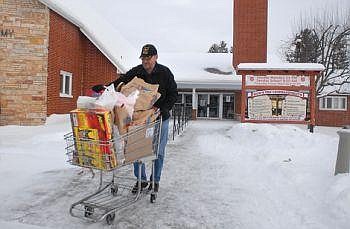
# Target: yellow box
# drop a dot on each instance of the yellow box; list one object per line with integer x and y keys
{"x": 93, "y": 133}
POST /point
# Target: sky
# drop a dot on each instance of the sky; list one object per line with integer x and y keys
{"x": 217, "y": 174}
{"x": 194, "y": 25}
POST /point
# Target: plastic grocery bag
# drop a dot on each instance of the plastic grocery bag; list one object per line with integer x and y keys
{"x": 110, "y": 98}
{"x": 86, "y": 102}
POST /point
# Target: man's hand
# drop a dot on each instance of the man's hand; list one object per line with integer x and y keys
{"x": 156, "y": 109}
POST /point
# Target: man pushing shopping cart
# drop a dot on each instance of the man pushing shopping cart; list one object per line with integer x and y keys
{"x": 128, "y": 133}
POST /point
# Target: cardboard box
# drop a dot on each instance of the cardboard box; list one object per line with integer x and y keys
{"x": 93, "y": 130}
{"x": 144, "y": 117}
{"x": 148, "y": 93}
{"x": 121, "y": 119}
{"x": 138, "y": 143}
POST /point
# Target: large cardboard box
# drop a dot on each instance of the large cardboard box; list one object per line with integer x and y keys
{"x": 144, "y": 117}
{"x": 93, "y": 131}
{"x": 138, "y": 143}
{"x": 122, "y": 120}
{"x": 148, "y": 93}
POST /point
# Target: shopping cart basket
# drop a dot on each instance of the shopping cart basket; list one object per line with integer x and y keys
{"x": 139, "y": 145}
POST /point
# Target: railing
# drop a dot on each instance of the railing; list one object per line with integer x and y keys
{"x": 180, "y": 115}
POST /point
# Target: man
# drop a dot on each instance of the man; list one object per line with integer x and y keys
{"x": 153, "y": 73}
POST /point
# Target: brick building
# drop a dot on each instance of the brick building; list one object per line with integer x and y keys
{"x": 250, "y": 46}
{"x": 47, "y": 60}
{"x": 50, "y": 53}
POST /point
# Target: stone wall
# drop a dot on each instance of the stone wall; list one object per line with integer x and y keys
{"x": 24, "y": 30}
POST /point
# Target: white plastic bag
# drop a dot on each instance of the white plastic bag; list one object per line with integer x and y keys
{"x": 110, "y": 98}
{"x": 130, "y": 101}
{"x": 86, "y": 102}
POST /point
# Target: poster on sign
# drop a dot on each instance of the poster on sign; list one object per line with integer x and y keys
{"x": 280, "y": 105}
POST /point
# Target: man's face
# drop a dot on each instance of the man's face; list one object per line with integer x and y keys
{"x": 149, "y": 62}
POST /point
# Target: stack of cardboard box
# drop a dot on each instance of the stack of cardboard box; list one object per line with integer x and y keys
{"x": 95, "y": 141}
{"x": 138, "y": 129}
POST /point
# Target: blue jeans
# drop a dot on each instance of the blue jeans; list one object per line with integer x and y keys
{"x": 158, "y": 164}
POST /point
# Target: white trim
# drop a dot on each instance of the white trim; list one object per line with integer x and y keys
{"x": 65, "y": 96}
{"x": 283, "y": 66}
{"x": 62, "y": 76}
{"x": 320, "y": 101}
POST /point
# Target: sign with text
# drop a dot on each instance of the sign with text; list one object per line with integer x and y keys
{"x": 280, "y": 105}
{"x": 277, "y": 80}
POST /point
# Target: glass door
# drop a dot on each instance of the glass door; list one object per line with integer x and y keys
{"x": 202, "y": 105}
{"x": 228, "y": 106}
{"x": 214, "y": 106}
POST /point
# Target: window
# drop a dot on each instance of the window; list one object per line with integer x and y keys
{"x": 333, "y": 103}
{"x": 66, "y": 84}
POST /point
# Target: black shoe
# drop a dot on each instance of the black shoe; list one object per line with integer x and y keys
{"x": 156, "y": 186}
{"x": 136, "y": 187}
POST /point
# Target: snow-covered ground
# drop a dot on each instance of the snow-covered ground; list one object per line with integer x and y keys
{"x": 218, "y": 174}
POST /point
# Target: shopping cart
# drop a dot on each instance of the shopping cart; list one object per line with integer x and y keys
{"x": 139, "y": 145}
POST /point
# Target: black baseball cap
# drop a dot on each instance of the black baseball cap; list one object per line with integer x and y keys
{"x": 148, "y": 50}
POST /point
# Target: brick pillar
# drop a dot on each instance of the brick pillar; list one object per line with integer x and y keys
{"x": 249, "y": 31}
{"x": 24, "y": 29}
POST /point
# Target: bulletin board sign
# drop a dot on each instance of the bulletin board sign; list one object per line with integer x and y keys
{"x": 279, "y": 105}
{"x": 278, "y": 94}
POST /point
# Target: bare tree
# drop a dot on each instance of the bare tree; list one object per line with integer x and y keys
{"x": 324, "y": 39}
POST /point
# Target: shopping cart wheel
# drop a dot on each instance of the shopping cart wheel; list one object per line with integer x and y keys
{"x": 153, "y": 197}
{"x": 88, "y": 211}
{"x": 110, "y": 218}
{"x": 114, "y": 190}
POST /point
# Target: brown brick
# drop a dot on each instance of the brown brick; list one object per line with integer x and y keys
{"x": 38, "y": 98}
{"x": 87, "y": 64}
{"x": 250, "y": 31}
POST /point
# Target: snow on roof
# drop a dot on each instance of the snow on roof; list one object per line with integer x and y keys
{"x": 188, "y": 68}
{"x": 336, "y": 89}
{"x": 100, "y": 32}
{"x": 281, "y": 66}
{"x": 202, "y": 70}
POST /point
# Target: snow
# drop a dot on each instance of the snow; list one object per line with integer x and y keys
{"x": 190, "y": 68}
{"x": 217, "y": 174}
{"x": 281, "y": 66}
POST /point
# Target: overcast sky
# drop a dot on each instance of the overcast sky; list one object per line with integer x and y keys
{"x": 193, "y": 25}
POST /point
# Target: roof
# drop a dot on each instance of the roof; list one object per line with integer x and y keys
{"x": 99, "y": 31}
{"x": 343, "y": 89}
{"x": 202, "y": 70}
{"x": 281, "y": 66}
{"x": 191, "y": 70}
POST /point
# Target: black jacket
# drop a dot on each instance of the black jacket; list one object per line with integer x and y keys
{"x": 160, "y": 75}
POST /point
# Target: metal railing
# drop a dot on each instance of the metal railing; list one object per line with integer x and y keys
{"x": 180, "y": 115}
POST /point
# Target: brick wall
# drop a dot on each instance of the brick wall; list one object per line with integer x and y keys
{"x": 332, "y": 118}
{"x": 250, "y": 31}
{"x": 23, "y": 62}
{"x": 238, "y": 102}
{"x": 72, "y": 52}
{"x": 97, "y": 68}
